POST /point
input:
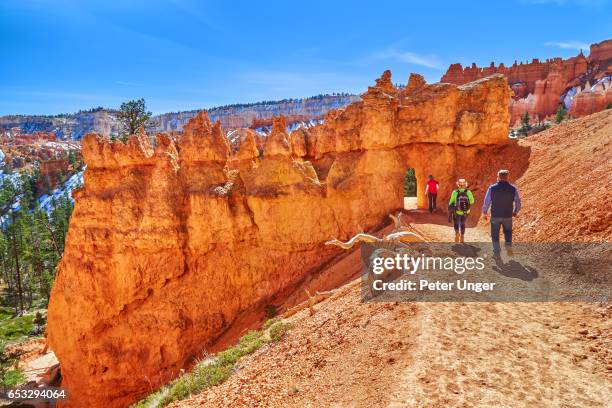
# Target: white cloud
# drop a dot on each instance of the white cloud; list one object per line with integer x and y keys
{"x": 126, "y": 83}
{"x": 407, "y": 57}
{"x": 571, "y": 45}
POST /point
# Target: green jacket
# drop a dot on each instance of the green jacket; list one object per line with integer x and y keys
{"x": 453, "y": 199}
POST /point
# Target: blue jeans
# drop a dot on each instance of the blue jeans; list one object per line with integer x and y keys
{"x": 459, "y": 223}
{"x": 432, "y": 201}
{"x": 506, "y": 225}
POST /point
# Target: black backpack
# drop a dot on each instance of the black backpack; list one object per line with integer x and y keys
{"x": 462, "y": 202}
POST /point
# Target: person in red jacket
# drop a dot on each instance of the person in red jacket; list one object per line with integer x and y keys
{"x": 432, "y": 192}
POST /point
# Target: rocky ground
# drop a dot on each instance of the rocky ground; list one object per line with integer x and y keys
{"x": 354, "y": 354}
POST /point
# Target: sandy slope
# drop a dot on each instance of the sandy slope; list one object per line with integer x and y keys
{"x": 566, "y": 189}
{"x": 348, "y": 354}
{"x": 353, "y": 354}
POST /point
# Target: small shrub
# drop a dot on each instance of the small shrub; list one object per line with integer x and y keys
{"x": 539, "y": 127}
{"x": 229, "y": 356}
{"x": 15, "y": 328}
{"x": 278, "y": 330}
{"x": 9, "y": 375}
{"x": 250, "y": 342}
{"x": 13, "y": 378}
{"x": 250, "y": 337}
{"x": 609, "y": 106}
{"x": 269, "y": 323}
{"x": 209, "y": 376}
{"x": 271, "y": 311}
{"x": 214, "y": 371}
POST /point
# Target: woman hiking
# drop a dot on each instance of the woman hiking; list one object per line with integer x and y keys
{"x": 431, "y": 191}
{"x": 459, "y": 206}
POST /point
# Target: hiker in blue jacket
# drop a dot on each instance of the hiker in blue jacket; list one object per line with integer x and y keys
{"x": 505, "y": 203}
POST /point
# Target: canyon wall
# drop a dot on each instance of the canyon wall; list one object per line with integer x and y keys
{"x": 592, "y": 98}
{"x": 68, "y": 126}
{"x": 260, "y": 113}
{"x": 539, "y": 88}
{"x": 105, "y": 122}
{"x": 168, "y": 245}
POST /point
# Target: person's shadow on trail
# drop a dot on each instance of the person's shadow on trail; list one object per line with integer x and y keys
{"x": 466, "y": 250}
{"x": 514, "y": 269}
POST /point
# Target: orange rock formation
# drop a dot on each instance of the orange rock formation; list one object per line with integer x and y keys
{"x": 538, "y": 86}
{"x": 289, "y": 119}
{"x": 168, "y": 245}
{"x": 590, "y": 100}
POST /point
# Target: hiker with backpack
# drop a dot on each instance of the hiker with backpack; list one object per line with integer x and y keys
{"x": 431, "y": 190}
{"x": 505, "y": 203}
{"x": 459, "y": 207}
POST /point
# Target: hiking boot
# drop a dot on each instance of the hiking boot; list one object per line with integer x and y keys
{"x": 462, "y": 238}
{"x": 509, "y": 250}
{"x": 457, "y": 236}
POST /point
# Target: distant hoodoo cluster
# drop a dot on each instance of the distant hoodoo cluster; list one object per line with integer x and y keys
{"x": 582, "y": 85}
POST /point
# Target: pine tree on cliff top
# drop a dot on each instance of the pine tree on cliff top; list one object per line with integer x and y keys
{"x": 132, "y": 115}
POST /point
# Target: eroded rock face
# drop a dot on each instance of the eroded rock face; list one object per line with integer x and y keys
{"x": 538, "y": 87}
{"x": 601, "y": 51}
{"x": 168, "y": 245}
{"x": 592, "y": 99}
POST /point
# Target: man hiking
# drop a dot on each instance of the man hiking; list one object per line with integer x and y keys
{"x": 505, "y": 203}
{"x": 459, "y": 206}
{"x": 431, "y": 190}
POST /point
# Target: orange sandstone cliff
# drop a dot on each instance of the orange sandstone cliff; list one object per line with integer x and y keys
{"x": 539, "y": 88}
{"x": 168, "y": 245}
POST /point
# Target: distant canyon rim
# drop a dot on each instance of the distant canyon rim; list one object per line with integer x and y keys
{"x": 581, "y": 84}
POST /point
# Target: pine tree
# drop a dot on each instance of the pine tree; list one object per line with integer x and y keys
{"x": 31, "y": 242}
{"x": 410, "y": 188}
{"x": 132, "y": 115}
{"x": 525, "y": 126}
{"x": 560, "y": 115}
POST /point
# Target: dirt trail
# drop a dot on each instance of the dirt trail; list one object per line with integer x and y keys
{"x": 507, "y": 354}
{"x": 353, "y": 354}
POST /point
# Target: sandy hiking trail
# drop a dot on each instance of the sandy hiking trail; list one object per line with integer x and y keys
{"x": 506, "y": 354}
{"x": 354, "y": 354}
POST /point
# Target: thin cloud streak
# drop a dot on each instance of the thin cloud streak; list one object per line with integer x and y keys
{"x": 408, "y": 57}
{"x": 126, "y": 83}
{"x": 570, "y": 45}
{"x": 293, "y": 79}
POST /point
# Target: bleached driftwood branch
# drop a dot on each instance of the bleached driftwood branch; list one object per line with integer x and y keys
{"x": 400, "y": 234}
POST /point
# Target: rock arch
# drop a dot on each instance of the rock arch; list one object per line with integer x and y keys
{"x": 169, "y": 245}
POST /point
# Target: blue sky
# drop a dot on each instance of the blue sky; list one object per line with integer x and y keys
{"x": 64, "y": 55}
